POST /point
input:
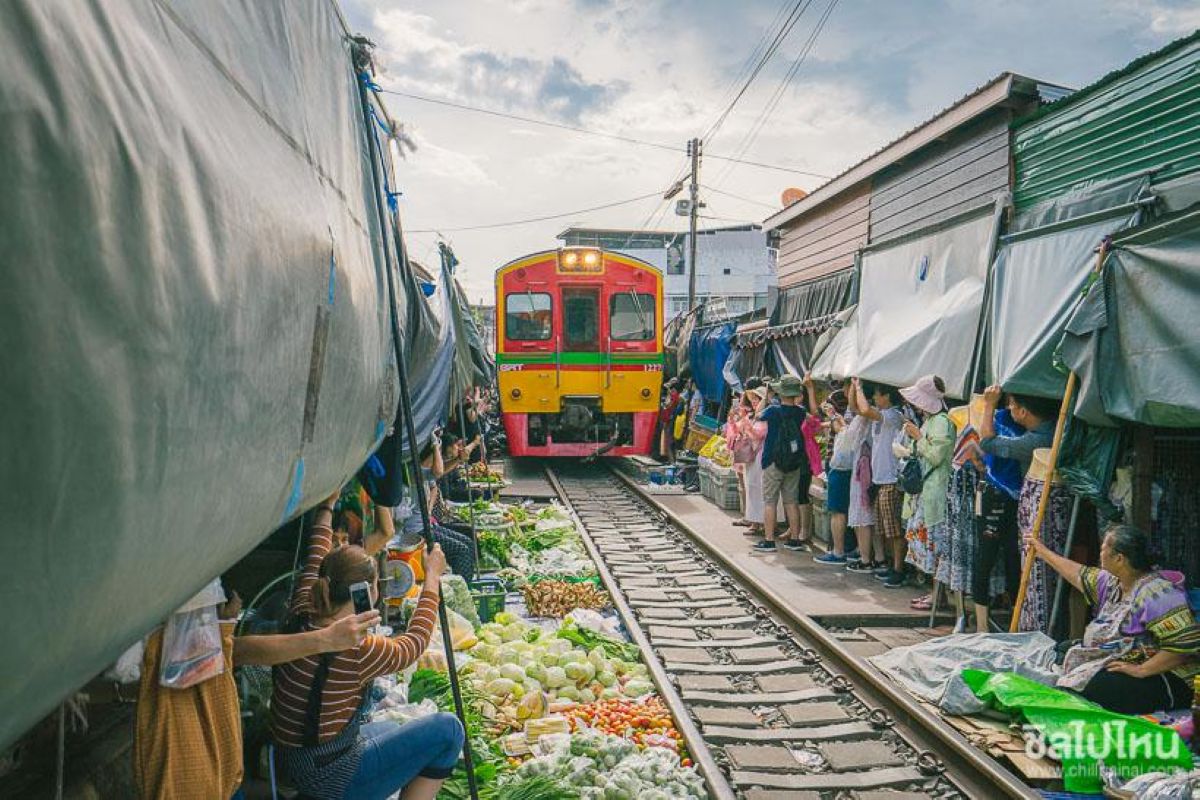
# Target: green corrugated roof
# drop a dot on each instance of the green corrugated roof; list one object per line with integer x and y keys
{"x": 1143, "y": 118}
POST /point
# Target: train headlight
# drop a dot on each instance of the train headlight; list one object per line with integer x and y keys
{"x": 645, "y": 394}
{"x": 570, "y": 258}
{"x": 516, "y": 394}
{"x": 591, "y": 258}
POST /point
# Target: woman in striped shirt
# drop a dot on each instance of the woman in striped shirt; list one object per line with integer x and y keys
{"x": 317, "y": 707}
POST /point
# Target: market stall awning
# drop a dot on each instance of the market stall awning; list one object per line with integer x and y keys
{"x": 920, "y": 303}
{"x": 1134, "y": 341}
{"x": 1039, "y": 274}
{"x": 710, "y": 348}
{"x": 835, "y": 355}
{"x": 196, "y": 327}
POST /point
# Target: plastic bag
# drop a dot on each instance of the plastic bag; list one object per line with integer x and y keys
{"x": 710, "y": 446}
{"x": 128, "y": 668}
{"x": 191, "y": 648}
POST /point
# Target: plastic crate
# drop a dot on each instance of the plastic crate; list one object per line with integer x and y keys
{"x": 489, "y": 597}
{"x": 706, "y": 482}
{"x": 725, "y": 493}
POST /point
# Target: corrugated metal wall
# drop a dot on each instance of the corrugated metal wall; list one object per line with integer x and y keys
{"x": 824, "y": 241}
{"x": 944, "y": 181}
{"x": 1148, "y": 119}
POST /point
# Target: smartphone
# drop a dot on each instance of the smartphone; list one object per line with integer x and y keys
{"x": 360, "y": 593}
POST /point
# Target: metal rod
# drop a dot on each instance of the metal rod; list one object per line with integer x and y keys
{"x": 406, "y": 412}
{"x": 1058, "y": 589}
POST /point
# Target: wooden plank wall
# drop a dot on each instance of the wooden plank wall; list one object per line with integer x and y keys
{"x": 824, "y": 241}
{"x": 951, "y": 178}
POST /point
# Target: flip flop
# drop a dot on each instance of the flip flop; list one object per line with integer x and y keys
{"x": 742, "y": 523}
{"x": 921, "y": 604}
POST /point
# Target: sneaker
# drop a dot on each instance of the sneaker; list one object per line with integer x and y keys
{"x": 795, "y": 545}
{"x": 830, "y": 559}
{"x": 881, "y": 570}
{"x": 860, "y": 567}
{"x": 853, "y": 555}
{"x": 894, "y": 580}
{"x": 762, "y": 548}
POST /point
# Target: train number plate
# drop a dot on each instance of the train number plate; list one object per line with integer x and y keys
{"x": 511, "y": 367}
{"x": 652, "y": 367}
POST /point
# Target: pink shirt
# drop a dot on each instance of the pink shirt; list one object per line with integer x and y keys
{"x": 809, "y": 428}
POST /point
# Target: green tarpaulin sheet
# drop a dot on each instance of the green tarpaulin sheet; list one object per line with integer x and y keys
{"x": 1081, "y": 733}
{"x": 1037, "y": 281}
{"x": 1134, "y": 340}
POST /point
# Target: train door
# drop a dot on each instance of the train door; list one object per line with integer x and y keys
{"x": 582, "y": 354}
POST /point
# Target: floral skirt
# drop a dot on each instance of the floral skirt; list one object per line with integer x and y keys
{"x": 1039, "y": 594}
{"x": 921, "y": 544}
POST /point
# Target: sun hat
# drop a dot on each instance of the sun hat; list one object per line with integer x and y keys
{"x": 757, "y": 392}
{"x": 788, "y": 386}
{"x": 924, "y": 395}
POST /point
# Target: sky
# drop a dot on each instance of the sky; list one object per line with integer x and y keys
{"x": 663, "y": 72}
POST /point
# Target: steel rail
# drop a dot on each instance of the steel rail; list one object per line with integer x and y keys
{"x": 718, "y": 786}
{"x": 972, "y": 771}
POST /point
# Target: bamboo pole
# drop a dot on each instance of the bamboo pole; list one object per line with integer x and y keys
{"x": 1064, "y": 411}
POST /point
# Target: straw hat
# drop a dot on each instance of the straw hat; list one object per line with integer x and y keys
{"x": 1040, "y": 467}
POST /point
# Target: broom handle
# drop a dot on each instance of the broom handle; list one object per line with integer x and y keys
{"x": 1043, "y": 503}
{"x": 1044, "y": 500}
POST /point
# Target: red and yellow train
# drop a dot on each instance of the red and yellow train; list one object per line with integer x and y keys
{"x": 579, "y": 352}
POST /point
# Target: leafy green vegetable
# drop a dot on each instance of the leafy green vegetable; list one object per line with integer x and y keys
{"x": 429, "y": 684}
{"x": 588, "y": 639}
{"x": 493, "y": 549}
{"x": 536, "y": 787}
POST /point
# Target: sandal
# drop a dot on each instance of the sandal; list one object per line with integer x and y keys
{"x": 754, "y": 530}
{"x": 922, "y": 604}
{"x": 742, "y": 523}
{"x": 925, "y": 598}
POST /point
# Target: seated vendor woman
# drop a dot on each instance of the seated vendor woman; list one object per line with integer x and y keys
{"x": 1139, "y": 653}
{"x": 318, "y": 704}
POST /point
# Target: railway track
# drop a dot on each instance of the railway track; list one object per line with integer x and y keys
{"x": 771, "y": 705}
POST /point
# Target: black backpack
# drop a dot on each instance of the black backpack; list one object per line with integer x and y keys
{"x": 789, "y": 454}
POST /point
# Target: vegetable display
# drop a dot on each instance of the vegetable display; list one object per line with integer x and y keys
{"x": 603, "y": 767}
{"x": 556, "y": 598}
{"x": 559, "y": 705}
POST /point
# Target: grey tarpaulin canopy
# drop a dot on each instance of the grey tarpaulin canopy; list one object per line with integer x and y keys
{"x": 801, "y": 316}
{"x": 1134, "y": 341}
{"x": 194, "y": 316}
{"x": 920, "y": 302}
{"x": 1039, "y": 273}
{"x": 835, "y": 354}
{"x": 473, "y": 366}
{"x": 431, "y": 374}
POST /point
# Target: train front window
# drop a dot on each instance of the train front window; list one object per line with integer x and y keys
{"x": 527, "y": 316}
{"x": 631, "y": 317}
{"x": 581, "y": 320}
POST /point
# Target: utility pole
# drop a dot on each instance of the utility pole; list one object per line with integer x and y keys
{"x": 694, "y": 152}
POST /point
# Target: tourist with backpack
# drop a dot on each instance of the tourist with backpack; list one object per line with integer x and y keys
{"x": 784, "y": 463}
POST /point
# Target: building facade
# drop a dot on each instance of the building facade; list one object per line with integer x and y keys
{"x": 736, "y": 264}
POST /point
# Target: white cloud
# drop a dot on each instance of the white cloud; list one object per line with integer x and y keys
{"x": 659, "y": 70}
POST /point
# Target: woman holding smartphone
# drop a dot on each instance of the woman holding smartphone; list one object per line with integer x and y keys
{"x": 317, "y": 709}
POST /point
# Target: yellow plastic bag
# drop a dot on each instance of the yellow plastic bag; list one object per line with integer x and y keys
{"x": 680, "y": 425}
{"x": 710, "y": 446}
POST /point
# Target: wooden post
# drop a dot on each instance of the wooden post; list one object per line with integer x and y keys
{"x": 1044, "y": 501}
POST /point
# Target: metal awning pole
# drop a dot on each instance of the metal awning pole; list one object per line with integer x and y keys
{"x": 406, "y": 411}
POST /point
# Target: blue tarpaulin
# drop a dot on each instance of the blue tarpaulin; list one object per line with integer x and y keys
{"x": 709, "y": 350}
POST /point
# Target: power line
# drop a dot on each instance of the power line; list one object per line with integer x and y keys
{"x": 788, "y": 24}
{"x": 739, "y": 197}
{"x": 546, "y": 218}
{"x": 589, "y": 132}
{"x": 777, "y": 95}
